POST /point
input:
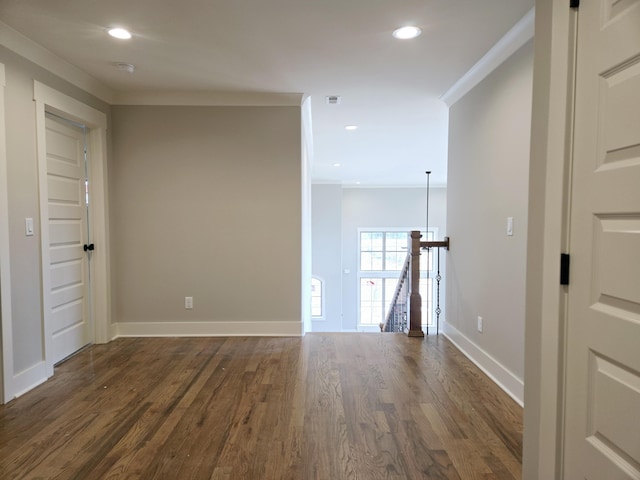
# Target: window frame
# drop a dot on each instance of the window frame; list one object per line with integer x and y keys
{"x": 322, "y": 297}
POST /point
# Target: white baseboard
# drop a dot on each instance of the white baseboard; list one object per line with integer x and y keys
{"x": 29, "y": 379}
{"x": 207, "y": 329}
{"x": 507, "y": 381}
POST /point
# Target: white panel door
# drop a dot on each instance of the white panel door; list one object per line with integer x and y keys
{"x": 602, "y": 412}
{"x": 70, "y": 325}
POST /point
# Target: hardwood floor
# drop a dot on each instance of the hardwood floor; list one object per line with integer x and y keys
{"x": 326, "y": 407}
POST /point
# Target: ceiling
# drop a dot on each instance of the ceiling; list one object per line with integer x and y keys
{"x": 389, "y": 88}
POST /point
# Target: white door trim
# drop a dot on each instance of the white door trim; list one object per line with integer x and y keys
{"x": 549, "y": 178}
{"x": 6, "y": 374}
{"x": 53, "y": 101}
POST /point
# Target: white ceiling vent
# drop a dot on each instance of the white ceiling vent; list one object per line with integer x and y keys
{"x": 333, "y": 100}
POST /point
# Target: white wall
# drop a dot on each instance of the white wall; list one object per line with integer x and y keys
{"x": 326, "y": 217}
{"x": 26, "y": 342}
{"x": 206, "y": 202}
{"x": 193, "y": 181}
{"x": 489, "y": 138}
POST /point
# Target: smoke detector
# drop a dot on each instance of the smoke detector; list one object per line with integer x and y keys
{"x": 333, "y": 100}
{"x": 126, "y": 67}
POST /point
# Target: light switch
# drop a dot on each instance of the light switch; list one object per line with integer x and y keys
{"x": 510, "y": 226}
{"x": 28, "y": 227}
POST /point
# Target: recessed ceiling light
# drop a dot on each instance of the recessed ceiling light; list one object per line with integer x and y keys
{"x": 351, "y": 127}
{"x": 336, "y": 164}
{"x": 406, "y": 33}
{"x": 120, "y": 33}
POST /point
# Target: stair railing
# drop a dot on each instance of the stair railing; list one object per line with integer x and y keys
{"x": 415, "y": 300}
{"x": 396, "y": 319}
{"x": 407, "y": 292}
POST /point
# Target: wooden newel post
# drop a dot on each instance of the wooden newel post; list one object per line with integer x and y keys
{"x": 415, "y": 301}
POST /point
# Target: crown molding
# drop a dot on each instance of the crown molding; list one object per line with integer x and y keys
{"x": 235, "y": 99}
{"x": 36, "y": 53}
{"x": 515, "y": 38}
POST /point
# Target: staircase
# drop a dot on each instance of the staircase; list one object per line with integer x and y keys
{"x": 405, "y": 311}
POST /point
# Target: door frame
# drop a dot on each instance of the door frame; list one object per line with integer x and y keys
{"x": 50, "y": 100}
{"x": 548, "y": 236}
{"x": 6, "y": 362}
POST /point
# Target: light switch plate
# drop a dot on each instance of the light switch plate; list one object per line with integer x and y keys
{"x": 510, "y": 226}
{"x": 28, "y": 226}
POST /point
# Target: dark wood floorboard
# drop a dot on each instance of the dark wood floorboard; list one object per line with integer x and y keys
{"x": 322, "y": 407}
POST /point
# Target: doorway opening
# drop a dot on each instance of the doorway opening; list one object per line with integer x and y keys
{"x": 68, "y": 239}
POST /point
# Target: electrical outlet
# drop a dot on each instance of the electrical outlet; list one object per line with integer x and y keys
{"x": 188, "y": 303}
{"x": 480, "y": 324}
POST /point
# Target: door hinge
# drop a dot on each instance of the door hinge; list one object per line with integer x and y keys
{"x": 574, "y": 3}
{"x": 564, "y": 268}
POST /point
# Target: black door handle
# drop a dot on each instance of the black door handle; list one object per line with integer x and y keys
{"x": 89, "y": 247}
